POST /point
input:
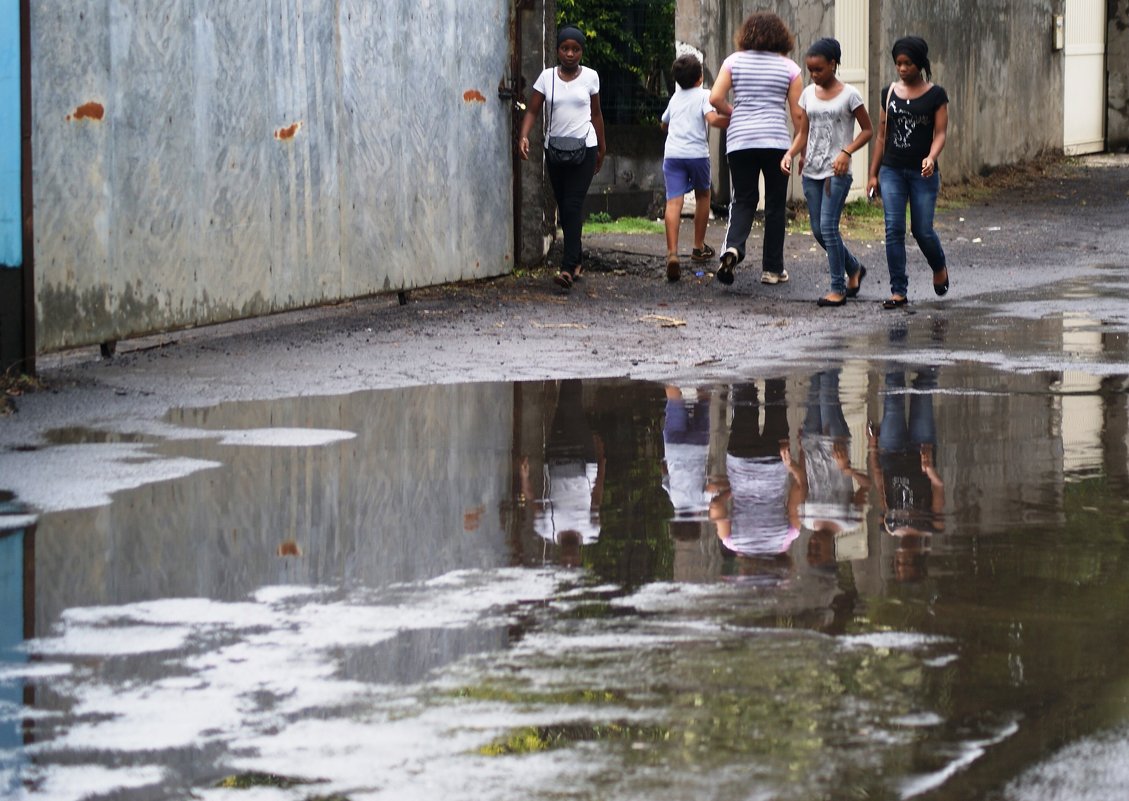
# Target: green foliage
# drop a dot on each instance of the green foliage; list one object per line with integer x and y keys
{"x": 602, "y": 223}
{"x": 251, "y": 779}
{"x": 630, "y": 43}
{"x": 531, "y": 739}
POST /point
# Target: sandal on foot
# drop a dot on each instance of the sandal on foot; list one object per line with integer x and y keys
{"x": 563, "y": 280}
{"x": 673, "y": 269}
{"x": 725, "y": 271}
{"x": 895, "y": 302}
{"x": 704, "y": 253}
{"x": 853, "y": 292}
{"x": 943, "y": 287}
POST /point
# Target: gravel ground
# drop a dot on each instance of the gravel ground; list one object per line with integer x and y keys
{"x": 1014, "y": 236}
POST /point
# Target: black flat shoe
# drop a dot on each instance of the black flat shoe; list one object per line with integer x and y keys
{"x": 943, "y": 287}
{"x": 853, "y": 293}
{"x": 830, "y": 302}
{"x": 894, "y": 303}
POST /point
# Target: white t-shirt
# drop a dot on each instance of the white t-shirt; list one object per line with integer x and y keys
{"x": 760, "y": 96}
{"x": 568, "y": 505}
{"x": 685, "y": 118}
{"x": 570, "y": 102}
{"x": 685, "y": 479}
{"x": 831, "y": 127}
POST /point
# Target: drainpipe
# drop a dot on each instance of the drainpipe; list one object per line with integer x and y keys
{"x": 28, "y": 269}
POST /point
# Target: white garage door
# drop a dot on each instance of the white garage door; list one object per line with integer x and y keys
{"x": 1084, "y": 77}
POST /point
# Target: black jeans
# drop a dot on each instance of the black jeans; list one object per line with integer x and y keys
{"x": 746, "y": 439}
{"x": 745, "y": 166}
{"x": 570, "y": 186}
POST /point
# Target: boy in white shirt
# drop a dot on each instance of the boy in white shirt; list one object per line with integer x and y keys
{"x": 686, "y": 159}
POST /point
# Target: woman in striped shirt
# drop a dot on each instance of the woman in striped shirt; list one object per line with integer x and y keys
{"x": 766, "y": 87}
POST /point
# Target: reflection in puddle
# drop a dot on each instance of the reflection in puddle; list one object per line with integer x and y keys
{"x": 893, "y": 577}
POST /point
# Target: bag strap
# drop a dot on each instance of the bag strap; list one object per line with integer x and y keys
{"x": 552, "y": 102}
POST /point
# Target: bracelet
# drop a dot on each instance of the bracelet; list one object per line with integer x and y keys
{"x": 849, "y": 153}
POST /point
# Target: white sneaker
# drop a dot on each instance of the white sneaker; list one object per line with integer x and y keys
{"x": 774, "y": 278}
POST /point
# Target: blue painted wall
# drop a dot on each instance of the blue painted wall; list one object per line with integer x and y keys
{"x": 12, "y": 756}
{"x": 11, "y": 228}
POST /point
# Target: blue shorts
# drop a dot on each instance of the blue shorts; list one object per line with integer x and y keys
{"x": 682, "y": 175}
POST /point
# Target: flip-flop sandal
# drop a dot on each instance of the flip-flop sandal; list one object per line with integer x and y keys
{"x": 563, "y": 280}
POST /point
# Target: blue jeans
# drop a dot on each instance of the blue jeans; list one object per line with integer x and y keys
{"x": 902, "y": 185}
{"x": 826, "y": 198}
{"x": 825, "y": 410}
{"x": 896, "y": 435}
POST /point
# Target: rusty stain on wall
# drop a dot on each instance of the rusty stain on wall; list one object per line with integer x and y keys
{"x": 88, "y": 111}
{"x": 288, "y": 132}
{"x": 473, "y": 96}
{"x": 472, "y": 518}
{"x": 289, "y": 548}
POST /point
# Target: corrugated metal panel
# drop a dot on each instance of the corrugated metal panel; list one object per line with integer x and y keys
{"x": 199, "y": 162}
{"x": 11, "y": 228}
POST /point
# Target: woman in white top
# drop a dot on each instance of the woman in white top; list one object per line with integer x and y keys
{"x": 766, "y": 86}
{"x": 825, "y": 141}
{"x": 573, "y": 94}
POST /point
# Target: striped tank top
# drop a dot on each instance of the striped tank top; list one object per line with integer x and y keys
{"x": 760, "y": 96}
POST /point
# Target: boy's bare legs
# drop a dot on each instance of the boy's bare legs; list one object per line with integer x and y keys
{"x": 673, "y": 219}
{"x": 701, "y": 217}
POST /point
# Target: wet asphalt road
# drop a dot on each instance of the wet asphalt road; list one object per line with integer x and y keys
{"x": 1031, "y": 246}
{"x": 1050, "y": 246}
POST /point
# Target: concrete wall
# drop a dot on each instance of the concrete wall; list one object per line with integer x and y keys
{"x": 994, "y": 59}
{"x": 538, "y": 32}
{"x": 996, "y": 62}
{"x": 198, "y": 161}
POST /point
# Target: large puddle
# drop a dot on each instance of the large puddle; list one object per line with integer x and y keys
{"x": 883, "y": 577}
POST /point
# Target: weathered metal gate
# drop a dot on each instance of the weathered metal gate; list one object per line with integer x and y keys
{"x": 196, "y": 163}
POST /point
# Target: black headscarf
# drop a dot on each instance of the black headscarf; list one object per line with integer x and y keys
{"x": 570, "y": 32}
{"x": 828, "y": 48}
{"x": 917, "y": 50}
